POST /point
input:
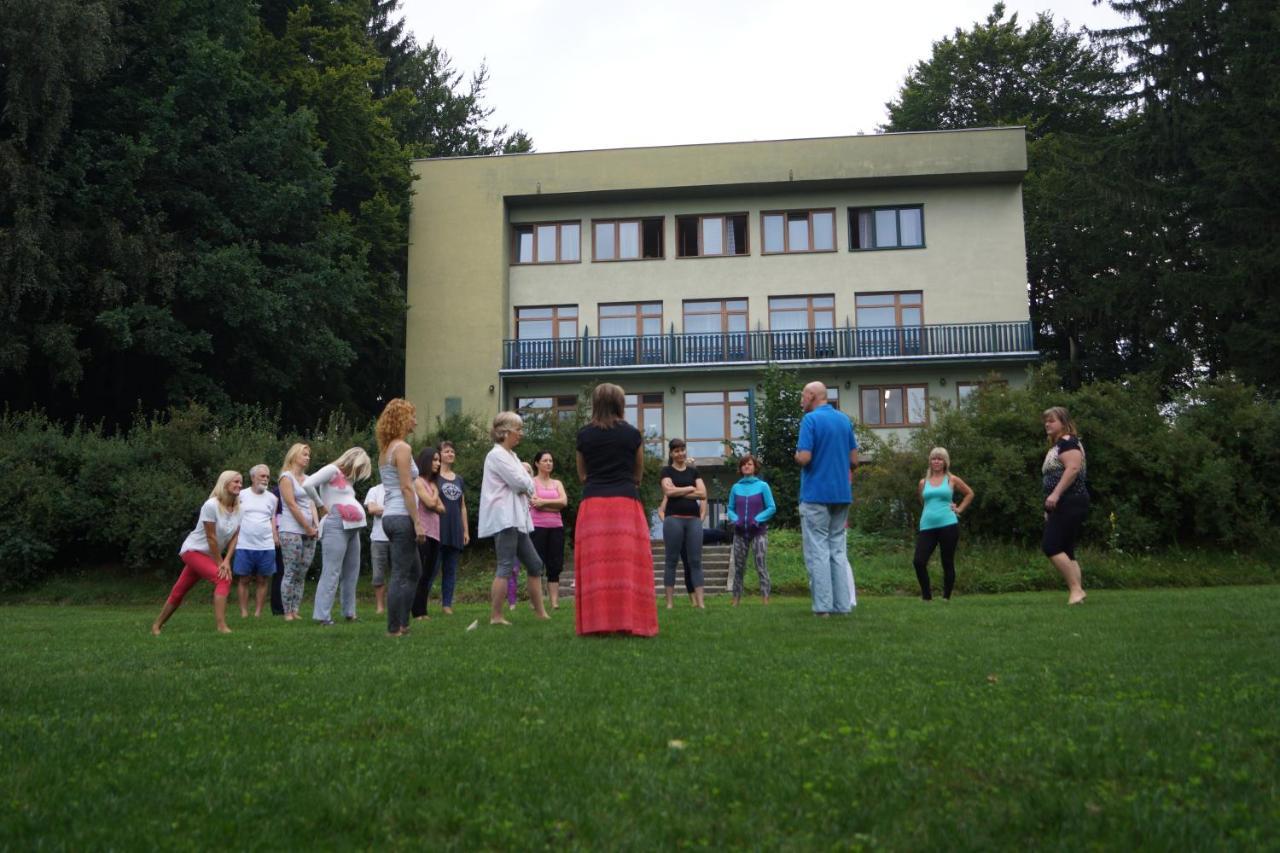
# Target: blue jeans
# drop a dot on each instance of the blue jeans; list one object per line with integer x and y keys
{"x": 822, "y": 527}
{"x": 448, "y": 574}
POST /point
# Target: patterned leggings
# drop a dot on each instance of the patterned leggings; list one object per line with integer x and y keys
{"x": 757, "y": 543}
{"x": 298, "y": 552}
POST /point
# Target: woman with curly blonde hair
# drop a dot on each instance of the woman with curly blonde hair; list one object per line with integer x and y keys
{"x": 400, "y": 521}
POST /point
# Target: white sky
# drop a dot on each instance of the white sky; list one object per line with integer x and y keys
{"x": 579, "y": 74}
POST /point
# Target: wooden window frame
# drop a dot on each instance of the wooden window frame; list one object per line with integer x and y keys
{"x": 559, "y": 225}
{"x": 561, "y": 405}
{"x": 652, "y": 446}
{"x": 897, "y": 307}
{"x": 808, "y": 309}
{"x": 555, "y": 321}
{"x": 617, "y": 230}
{"x": 639, "y": 316}
{"x": 786, "y": 232}
{"x": 727, "y": 406}
{"x": 853, "y": 228}
{"x": 746, "y": 232}
{"x": 904, "y": 387}
{"x": 724, "y": 312}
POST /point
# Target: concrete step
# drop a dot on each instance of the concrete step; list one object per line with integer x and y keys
{"x": 717, "y": 570}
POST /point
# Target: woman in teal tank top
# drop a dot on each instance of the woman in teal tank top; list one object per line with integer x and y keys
{"x": 940, "y": 521}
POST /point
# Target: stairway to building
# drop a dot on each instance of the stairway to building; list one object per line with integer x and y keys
{"x": 717, "y": 570}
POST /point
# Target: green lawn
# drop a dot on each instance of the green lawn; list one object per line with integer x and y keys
{"x": 1143, "y": 719}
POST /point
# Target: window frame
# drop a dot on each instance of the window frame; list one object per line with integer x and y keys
{"x": 786, "y": 232}
{"x": 562, "y": 406}
{"x": 904, "y": 387}
{"x": 534, "y": 226}
{"x": 724, "y": 313}
{"x": 897, "y": 308}
{"x": 727, "y": 406}
{"x": 617, "y": 230}
{"x": 746, "y": 232}
{"x": 977, "y": 385}
{"x": 809, "y": 311}
{"x": 853, "y": 227}
{"x": 639, "y": 316}
{"x": 652, "y": 446}
{"x": 554, "y": 319}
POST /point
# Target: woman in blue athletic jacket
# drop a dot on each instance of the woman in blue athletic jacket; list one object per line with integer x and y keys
{"x": 750, "y": 506}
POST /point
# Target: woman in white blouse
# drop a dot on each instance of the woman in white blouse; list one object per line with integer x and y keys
{"x": 504, "y": 515}
{"x": 332, "y": 488}
{"x": 202, "y": 552}
{"x": 299, "y": 527}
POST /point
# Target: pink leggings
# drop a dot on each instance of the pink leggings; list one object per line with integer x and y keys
{"x": 198, "y": 565}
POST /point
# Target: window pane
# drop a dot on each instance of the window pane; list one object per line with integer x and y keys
{"x": 533, "y": 403}
{"x": 782, "y": 321}
{"x": 824, "y": 231}
{"x": 611, "y": 326}
{"x": 526, "y": 247}
{"x": 913, "y": 297}
{"x": 964, "y": 390}
{"x": 569, "y": 239}
{"x": 737, "y": 322}
{"x": 798, "y": 233}
{"x": 702, "y": 307}
{"x": 892, "y": 405}
{"x": 869, "y": 299}
{"x": 652, "y": 326}
{"x": 824, "y": 319}
{"x": 911, "y": 316}
{"x": 703, "y": 397}
{"x": 702, "y": 452}
{"x": 568, "y": 328}
{"x": 886, "y": 228}
{"x": 568, "y": 311}
{"x": 736, "y": 305}
{"x": 533, "y": 313}
{"x": 533, "y": 329}
{"x": 864, "y": 229}
{"x": 788, "y": 303}
{"x": 546, "y": 243}
{"x": 651, "y": 309}
{"x": 824, "y": 301}
{"x": 605, "y": 249}
{"x": 698, "y": 324}
{"x": 871, "y": 405}
{"x": 916, "y": 405}
{"x": 627, "y": 310}
{"x": 871, "y": 317}
{"x": 912, "y": 226}
{"x": 773, "y": 233}
{"x": 737, "y": 396}
{"x": 713, "y": 236}
{"x": 652, "y": 422}
{"x": 628, "y": 239}
{"x": 704, "y": 421}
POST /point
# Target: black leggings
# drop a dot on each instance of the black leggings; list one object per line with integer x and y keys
{"x": 926, "y": 540}
{"x": 428, "y": 552}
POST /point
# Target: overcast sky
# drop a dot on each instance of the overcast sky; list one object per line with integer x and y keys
{"x": 580, "y": 74}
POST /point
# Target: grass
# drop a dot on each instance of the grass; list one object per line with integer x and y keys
{"x": 1145, "y": 719}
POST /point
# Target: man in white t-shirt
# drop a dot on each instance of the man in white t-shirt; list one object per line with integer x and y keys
{"x": 379, "y": 545}
{"x": 256, "y": 553}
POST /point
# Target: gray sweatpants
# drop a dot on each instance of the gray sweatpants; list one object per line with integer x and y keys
{"x": 340, "y": 568}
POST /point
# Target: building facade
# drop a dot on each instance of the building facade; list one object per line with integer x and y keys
{"x": 891, "y": 267}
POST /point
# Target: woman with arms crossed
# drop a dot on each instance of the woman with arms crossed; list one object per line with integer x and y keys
{"x": 430, "y": 508}
{"x": 299, "y": 528}
{"x": 399, "y": 513}
{"x": 548, "y": 527}
{"x": 202, "y": 551}
{"x": 682, "y": 528}
{"x": 939, "y": 521}
{"x": 333, "y": 489}
{"x": 1066, "y": 498}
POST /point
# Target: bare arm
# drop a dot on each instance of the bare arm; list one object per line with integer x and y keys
{"x": 671, "y": 490}
{"x": 582, "y": 467}
{"x": 466, "y": 523}
{"x": 803, "y": 457}
{"x": 1071, "y": 461}
{"x": 700, "y": 490}
{"x": 559, "y": 502}
{"x": 400, "y": 456}
{"x": 211, "y": 536}
{"x": 291, "y": 504}
{"x": 961, "y": 486}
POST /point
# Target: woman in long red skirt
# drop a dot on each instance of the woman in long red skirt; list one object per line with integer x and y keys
{"x": 612, "y": 562}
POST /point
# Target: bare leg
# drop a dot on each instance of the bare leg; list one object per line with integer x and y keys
{"x": 736, "y": 600}
{"x": 698, "y": 601}
{"x": 165, "y": 613}
{"x": 535, "y": 596}
{"x": 1070, "y": 571}
{"x": 380, "y": 598}
{"x": 497, "y": 597}
{"x": 671, "y": 596}
{"x": 264, "y": 586}
{"x": 553, "y": 591}
{"x": 220, "y": 613}
{"x": 242, "y": 590}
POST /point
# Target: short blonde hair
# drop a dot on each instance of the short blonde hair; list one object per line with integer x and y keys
{"x": 220, "y": 493}
{"x": 354, "y": 462}
{"x": 941, "y": 453}
{"x": 293, "y": 454}
{"x": 393, "y": 423}
{"x": 503, "y": 424}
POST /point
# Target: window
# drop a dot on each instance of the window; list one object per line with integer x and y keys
{"x": 710, "y": 419}
{"x": 715, "y": 235}
{"x": 547, "y": 243}
{"x": 715, "y": 330}
{"x": 886, "y": 228}
{"x": 833, "y": 396}
{"x": 802, "y": 326}
{"x": 546, "y": 336}
{"x": 798, "y": 231}
{"x": 630, "y": 333}
{"x": 888, "y": 324}
{"x": 965, "y": 390}
{"x": 627, "y": 239}
{"x": 644, "y": 412}
{"x": 895, "y": 405}
{"x": 563, "y": 407}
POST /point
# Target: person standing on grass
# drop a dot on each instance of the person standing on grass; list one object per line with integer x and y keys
{"x": 332, "y": 488}
{"x": 548, "y": 501}
{"x": 208, "y": 550}
{"x": 430, "y": 508}
{"x": 504, "y": 515}
{"x": 277, "y": 599}
{"x": 258, "y": 540}
{"x": 1066, "y": 498}
{"x": 685, "y": 495}
{"x": 750, "y": 506}
{"x": 455, "y": 529}
{"x": 379, "y": 548}
{"x": 827, "y": 449}
{"x": 299, "y": 528}
{"x": 939, "y": 521}
{"x": 400, "y": 519}
{"x": 612, "y": 560}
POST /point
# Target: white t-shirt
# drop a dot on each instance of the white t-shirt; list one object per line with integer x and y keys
{"x": 255, "y": 526}
{"x": 226, "y": 526}
{"x": 289, "y": 524}
{"x": 330, "y": 488}
{"x": 374, "y": 496}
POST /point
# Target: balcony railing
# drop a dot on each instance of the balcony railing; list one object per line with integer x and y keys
{"x": 675, "y": 348}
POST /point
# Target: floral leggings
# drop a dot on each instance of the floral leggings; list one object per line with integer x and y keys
{"x": 757, "y": 544}
{"x": 298, "y": 552}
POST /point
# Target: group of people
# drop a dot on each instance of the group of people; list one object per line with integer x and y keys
{"x": 417, "y": 516}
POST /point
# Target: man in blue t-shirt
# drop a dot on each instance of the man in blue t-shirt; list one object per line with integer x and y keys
{"x": 825, "y": 453}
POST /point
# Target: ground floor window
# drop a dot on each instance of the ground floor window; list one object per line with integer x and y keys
{"x": 644, "y": 412}
{"x": 710, "y": 419}
{"x": 965, "y": 390}
{"x": 562, "y": 407}
{"x": 894, "y": 405}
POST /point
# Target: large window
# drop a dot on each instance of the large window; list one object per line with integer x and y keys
{"x": 547, "y": 243}
{"x": 888, "y": 324}
{"x": 798, "y": 231}
{"x": 802, "y": 326}
{"x": 562, "y": 407}
{"x": 644, "y": 412}
{"x": 711, "y": 235}
{"x": 965, "y": 390}
{"x": 894, "y": 405}
{"x": 715, "y": 329}
{"x": 630, "y": 333}
{"x": 547, "y": 336}
{"x": 886, "y": 228}
{"x": 710, "y": 419}
{"x": 626, "y": 239}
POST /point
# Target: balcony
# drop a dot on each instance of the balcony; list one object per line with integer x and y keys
{"x": 947, "y": 342}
